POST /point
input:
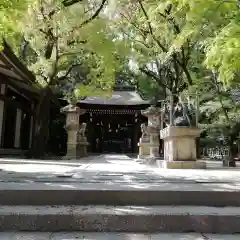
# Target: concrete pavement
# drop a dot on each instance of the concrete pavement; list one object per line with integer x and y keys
{"x": 114, "y": 236}
{"x": 137, "y": 198}
{"x": 113, "y": 171}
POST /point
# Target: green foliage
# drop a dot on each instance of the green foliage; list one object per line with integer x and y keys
{"x": 63, "y": 37}
{"x": 151, "y": 27}
{"x": 11, "y": 11}
{"x": 215, "y": 25}
{"x": 224, "y": 52}
{"x": 148, "y": 89}
{"x": 220, "y": 111}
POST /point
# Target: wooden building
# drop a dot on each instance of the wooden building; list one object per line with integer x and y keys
{"x": 18, "y": 97}
{"x": 114, "y": 123}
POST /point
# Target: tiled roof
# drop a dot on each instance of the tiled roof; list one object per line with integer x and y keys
{"x": 117, "y": 98}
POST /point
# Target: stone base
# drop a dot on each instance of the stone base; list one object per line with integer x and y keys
{"x": 229, "y": 163}
{"x": 151, "y": 160}
{"x": 144, "y": 150}
{"x": 76, "y": 151}
{"x": 82, "y": 149}
{"x": 180, "y": 143}
{"x": 142, "y": 156}
{"x": 181, "y": 164}
{"x": 147, "y": 159}
{"x": 68, "y": 157}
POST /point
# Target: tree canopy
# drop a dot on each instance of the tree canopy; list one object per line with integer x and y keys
{"x": 216, "y": 26}
{"x": 151, "y": 27}
{"x": 66, "y": 37}
{"x": 157, "y": 29}
{"x": 11, "y": 11}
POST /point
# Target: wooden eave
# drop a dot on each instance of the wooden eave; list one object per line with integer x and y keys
{"x": 17, "y": 73}
{"x": 16, "y": 64}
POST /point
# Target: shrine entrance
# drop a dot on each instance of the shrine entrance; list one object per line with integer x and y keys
{"x": 113, "y": 123}
{"x": 113, "y": 134}
{"x": 113, "y": 131}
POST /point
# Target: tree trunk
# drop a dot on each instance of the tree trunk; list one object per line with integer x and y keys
{"x": 41, "y": 127}
{"x": 232, "y": 150}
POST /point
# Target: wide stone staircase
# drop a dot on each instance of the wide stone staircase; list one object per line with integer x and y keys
{"x": 120, "y": 211}
{"x": 108, "y": 202}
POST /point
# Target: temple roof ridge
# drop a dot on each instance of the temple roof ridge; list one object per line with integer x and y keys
{"x": 121, "y": 95}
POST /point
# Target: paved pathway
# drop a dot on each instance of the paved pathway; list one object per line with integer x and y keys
{"x": 114, "y": 236}
{"x": 113, "y": 172}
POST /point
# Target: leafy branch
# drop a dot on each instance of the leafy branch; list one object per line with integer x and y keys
{"x": 68, "y": 3}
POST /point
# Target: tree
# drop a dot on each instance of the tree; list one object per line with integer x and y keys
{"x": 65, "y": 39}
{"x": 128, "y": 76}
{"x": 216, "y": 25}
{"x": 10, "y": 12}
{"x": 220, "y": 112}
{"x": 151, "y": 27}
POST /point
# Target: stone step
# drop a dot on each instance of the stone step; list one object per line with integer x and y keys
{"x": 119, "y": 197}
{"x": 138, "y": 219}
{"x": 114, "y": 236}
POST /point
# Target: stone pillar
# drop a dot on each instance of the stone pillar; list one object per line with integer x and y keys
{"x": 153, "y": 114}
{"x": 180, "y": 148}
{"x": 143, "y": 143}
{"x": 72, "y": 127}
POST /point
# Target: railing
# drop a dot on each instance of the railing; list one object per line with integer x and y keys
{"x": 215, "y": 153}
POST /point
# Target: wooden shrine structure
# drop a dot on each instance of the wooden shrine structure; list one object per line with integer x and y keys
{"x": 18, "y": 98}
{"x": 113, "y": 124}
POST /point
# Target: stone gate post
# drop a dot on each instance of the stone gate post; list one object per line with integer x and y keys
{"x": 153, "y": 114}
{"x": 72, "y": 113}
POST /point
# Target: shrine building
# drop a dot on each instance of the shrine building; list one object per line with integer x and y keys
{"x": 113, "y": 124}
{"x": 18, "y": 98}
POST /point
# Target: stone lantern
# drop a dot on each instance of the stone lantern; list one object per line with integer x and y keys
{"x": 153, "y": 114}
{"x": 72, "y": 113}
{"x": 180, "y": 138}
